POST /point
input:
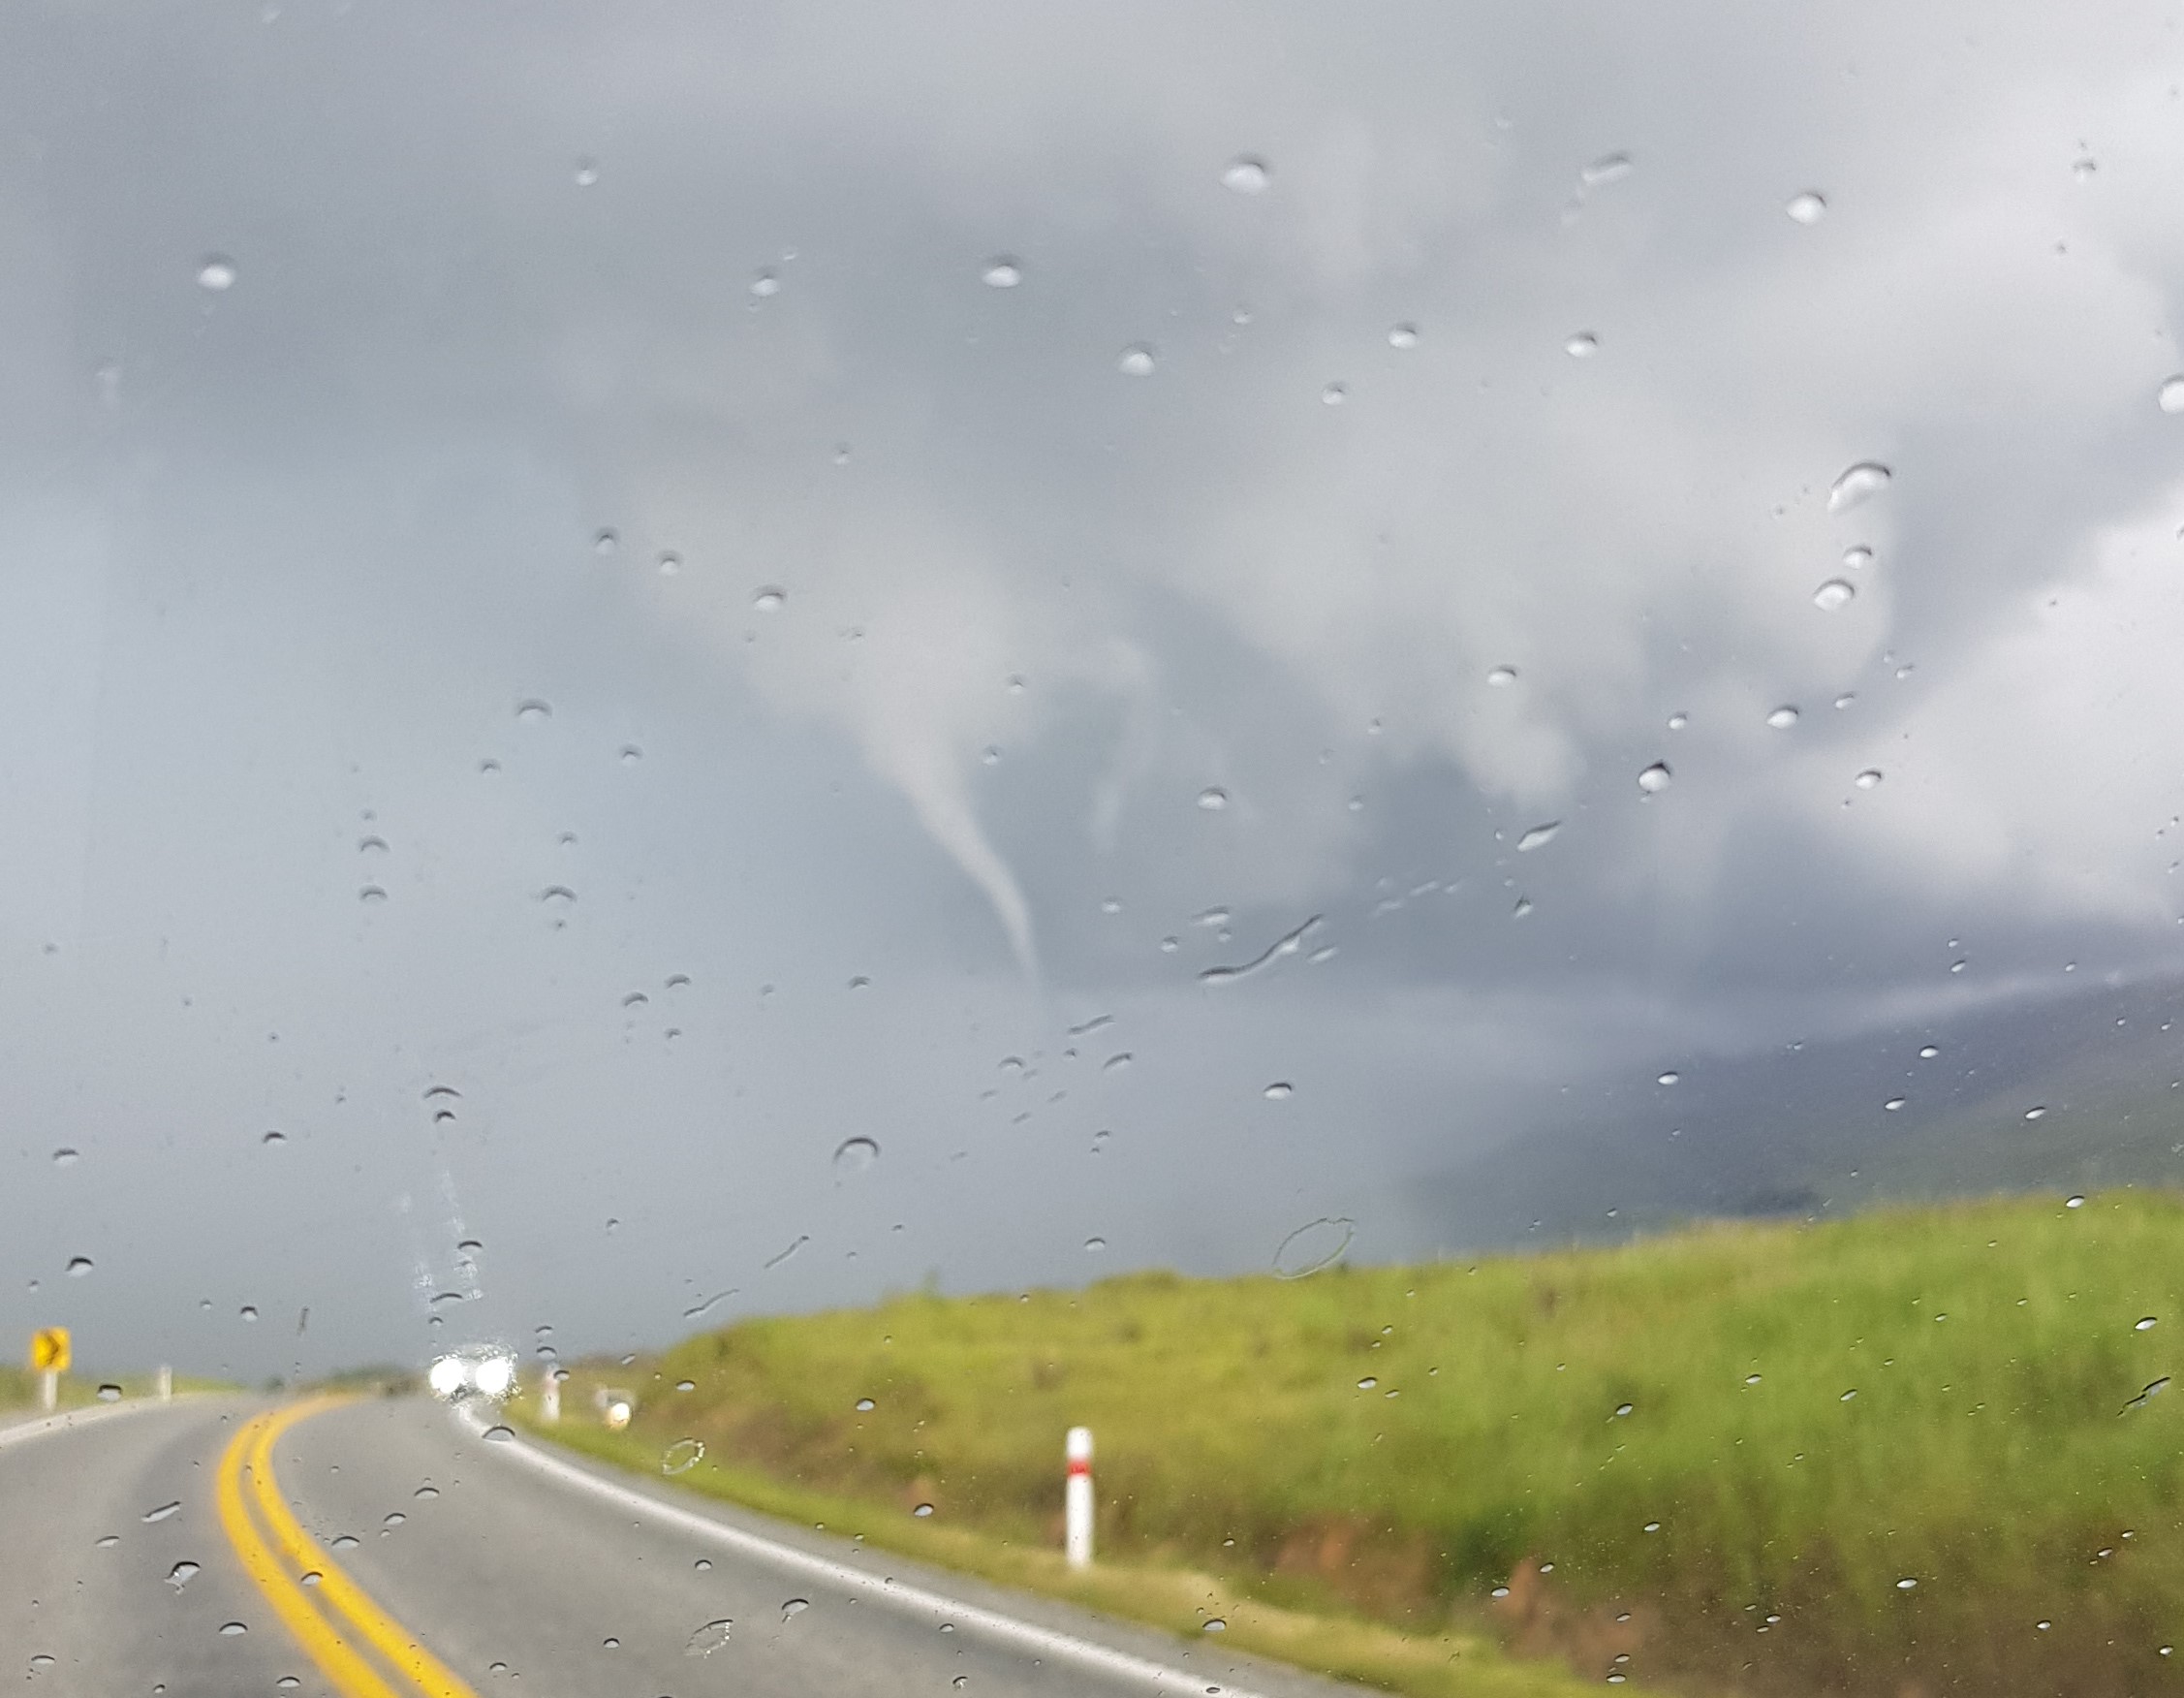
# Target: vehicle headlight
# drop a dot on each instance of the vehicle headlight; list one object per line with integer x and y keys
{"x": 495, "y": 1376}
{"x": 446, "y": 1376}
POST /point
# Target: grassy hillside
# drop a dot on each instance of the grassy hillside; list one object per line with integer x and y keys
{"x": 1719, "y": 1455}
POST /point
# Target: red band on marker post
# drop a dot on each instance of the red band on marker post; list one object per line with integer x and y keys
{"x": 1077, "y": 1498}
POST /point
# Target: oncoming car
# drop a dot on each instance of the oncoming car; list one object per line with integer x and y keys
{"x": 483, "y": 1371}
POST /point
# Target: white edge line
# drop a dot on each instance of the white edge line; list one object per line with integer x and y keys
{"x": 911, "y": 1599}
{"x": 22, "y": 1430}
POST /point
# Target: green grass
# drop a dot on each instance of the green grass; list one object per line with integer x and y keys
{"x": 1987, "y": 1455}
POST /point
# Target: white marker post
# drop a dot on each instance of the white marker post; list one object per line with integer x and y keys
{"x": 549, "y": 1394}
{"x": 163, "y": 1387}
{"x": 49, "y": 1390}
{"x": 1076, "y": 1499}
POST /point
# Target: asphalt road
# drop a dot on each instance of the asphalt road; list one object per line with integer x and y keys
{"x": 424, "y": 1558}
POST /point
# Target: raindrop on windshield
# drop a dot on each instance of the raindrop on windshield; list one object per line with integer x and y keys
{"x": 1502, "y": 676}
{"x": 230, "y": 1629}
{"x": 853, "y": 1156}
{"x": 1095, "y": 1245}
{"x": 1582, "y": 346}
{"x": 1782, "y": 717}
{"x": 1312, "y": 1246}
{"x": 1002, "y": 272}
{"x": 864, "y": 1405}
{"x": 79, "y": 1266}
{"x": 1279, "y": 1091}
{"x": 1655, "y": 778}
{"x": 1538, "y": 836}
{"x": 2169, "y": 397}
{"x": 162, "y": 1511}
{"x": 1806, "y": 209}
{"x": 1833, "y": 595}
{"x": 682, "y": 1456}
{"x": 1860, "y": 483}
{"x": 217, "y": 273}
{"x": 792, "y": 1607}
{"x": 707, "y": 1639}
{"x": 1136, "y": 361}
{"x": 770, "y": 599}
{"x": 178, "y": 1576}
{"x": 1245, "y": 176}
{"x": 1213, "y": 801}
{"x": 65, "y": 1157}
{"x": 765, "y": 285}
{"x": 1403, "y": 336}
{"x": 532, "y": 710}
{"x": 1868, "y": 778}
{"x": 922, "y": 1510}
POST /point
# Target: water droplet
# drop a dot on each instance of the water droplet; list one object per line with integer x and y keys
{"x": 586, "y": 173}
{"x": 1907, "y": 1584}
{"x": 1213, "y": 801}
{"x": 1404, "y": 336}
{"x": 793, "y": 1607}
{"x": 765, "y": 285}
{"x": 179, "y": 1575}
{"x": 2146, "y": 1324}
{"x": 1095, "y": 1244}
{"x": 864, "y": 1405}
{"x": 65, "y": 1157}
{"x": 217, "y": 272}
{"x": 345, "y": 1542}
{"x": 1136, "y": 361}
{"x": 110, "y": 1393}
{"x": 1582, "y": 346}
{"x": 1782, "y": 717}
{"x": 1927, "y": 1052}
{"x": 1860, "y": 483}
{"x": 682, "y": 1456}
{"x": 231, "y": 1629}
{"x": 1281, "y": 1090}
{"x": 1655, "y": 778}
{"x": 1367, "y": 1383}
{"x": 1215, "y": 1624}
{"x": 707, "y": 1639}
{"x": 1848, "y": 1395}
{"x": 1677, "y": 721}
{"x": 630, "y": 754}
{"x": 1116, "y": 1062}
{"x": 606, "y": 543}
{"x": 1538, "y": 836}
{"x": 1894, "y": 1103}
{"x": 2074, "y": 1202}
{"x": 371, "y": 894}
{"x": 922, "y": 1510}
{"x": 2169, "y": 397}
{"x": 1312, "y": 1246}
{"x": 394, "y": 1517}
{"x": 79, "y": 1266}
{"x": 1245, "y": 176}
{"x": 557, "y": 895}
{"x": 499, "y": 1434}
{"x": 162, "y": 1511}
{"x": 1502, "y": 676}
{"x": 1609, "y": 168}
{"x": 1624, "y": 1408}
{"x": 770, "y": 599}
{"x": 853, "y": 1156}
{"x": 2036, "y": 1113}
{"x": 1002, "y": 271}
{"x": 1334, "y": 395}
{"x": 534, "y": 710}
{"x": 1808, "y": 208}
{"x": 1652, "y": 1527}
{"x": 1671, "y": 1077}
{"x": 311, "y": 1577}
{"x": 1751, "y": 1379}
{"x": 108, "y": 1542}
{"x": 427, "y": 1492}
{"x": 1857, "y": 556}
{"x": 1834, "y": 595}
{"x": 1868, "y": 778}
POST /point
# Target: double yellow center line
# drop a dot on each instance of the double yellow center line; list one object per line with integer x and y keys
{"x": 362, "y": 1650}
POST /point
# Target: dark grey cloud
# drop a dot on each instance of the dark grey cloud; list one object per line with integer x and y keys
{"x": 957, "y": 677}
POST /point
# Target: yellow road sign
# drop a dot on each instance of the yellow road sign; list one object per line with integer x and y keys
{"x": 48, "y": 1350}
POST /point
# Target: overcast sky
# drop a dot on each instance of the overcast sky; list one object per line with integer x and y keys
{"x": 722, "y": 580}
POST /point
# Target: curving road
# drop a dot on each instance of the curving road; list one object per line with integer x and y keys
{"x": 381, "y": 1549}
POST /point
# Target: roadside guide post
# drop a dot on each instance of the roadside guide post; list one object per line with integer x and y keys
{"x": 48, "y": 1361}
{"x": 1077, "y": 1498}
{"x": 549, "y": 1394}
{"x": 163, "y": 1386}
